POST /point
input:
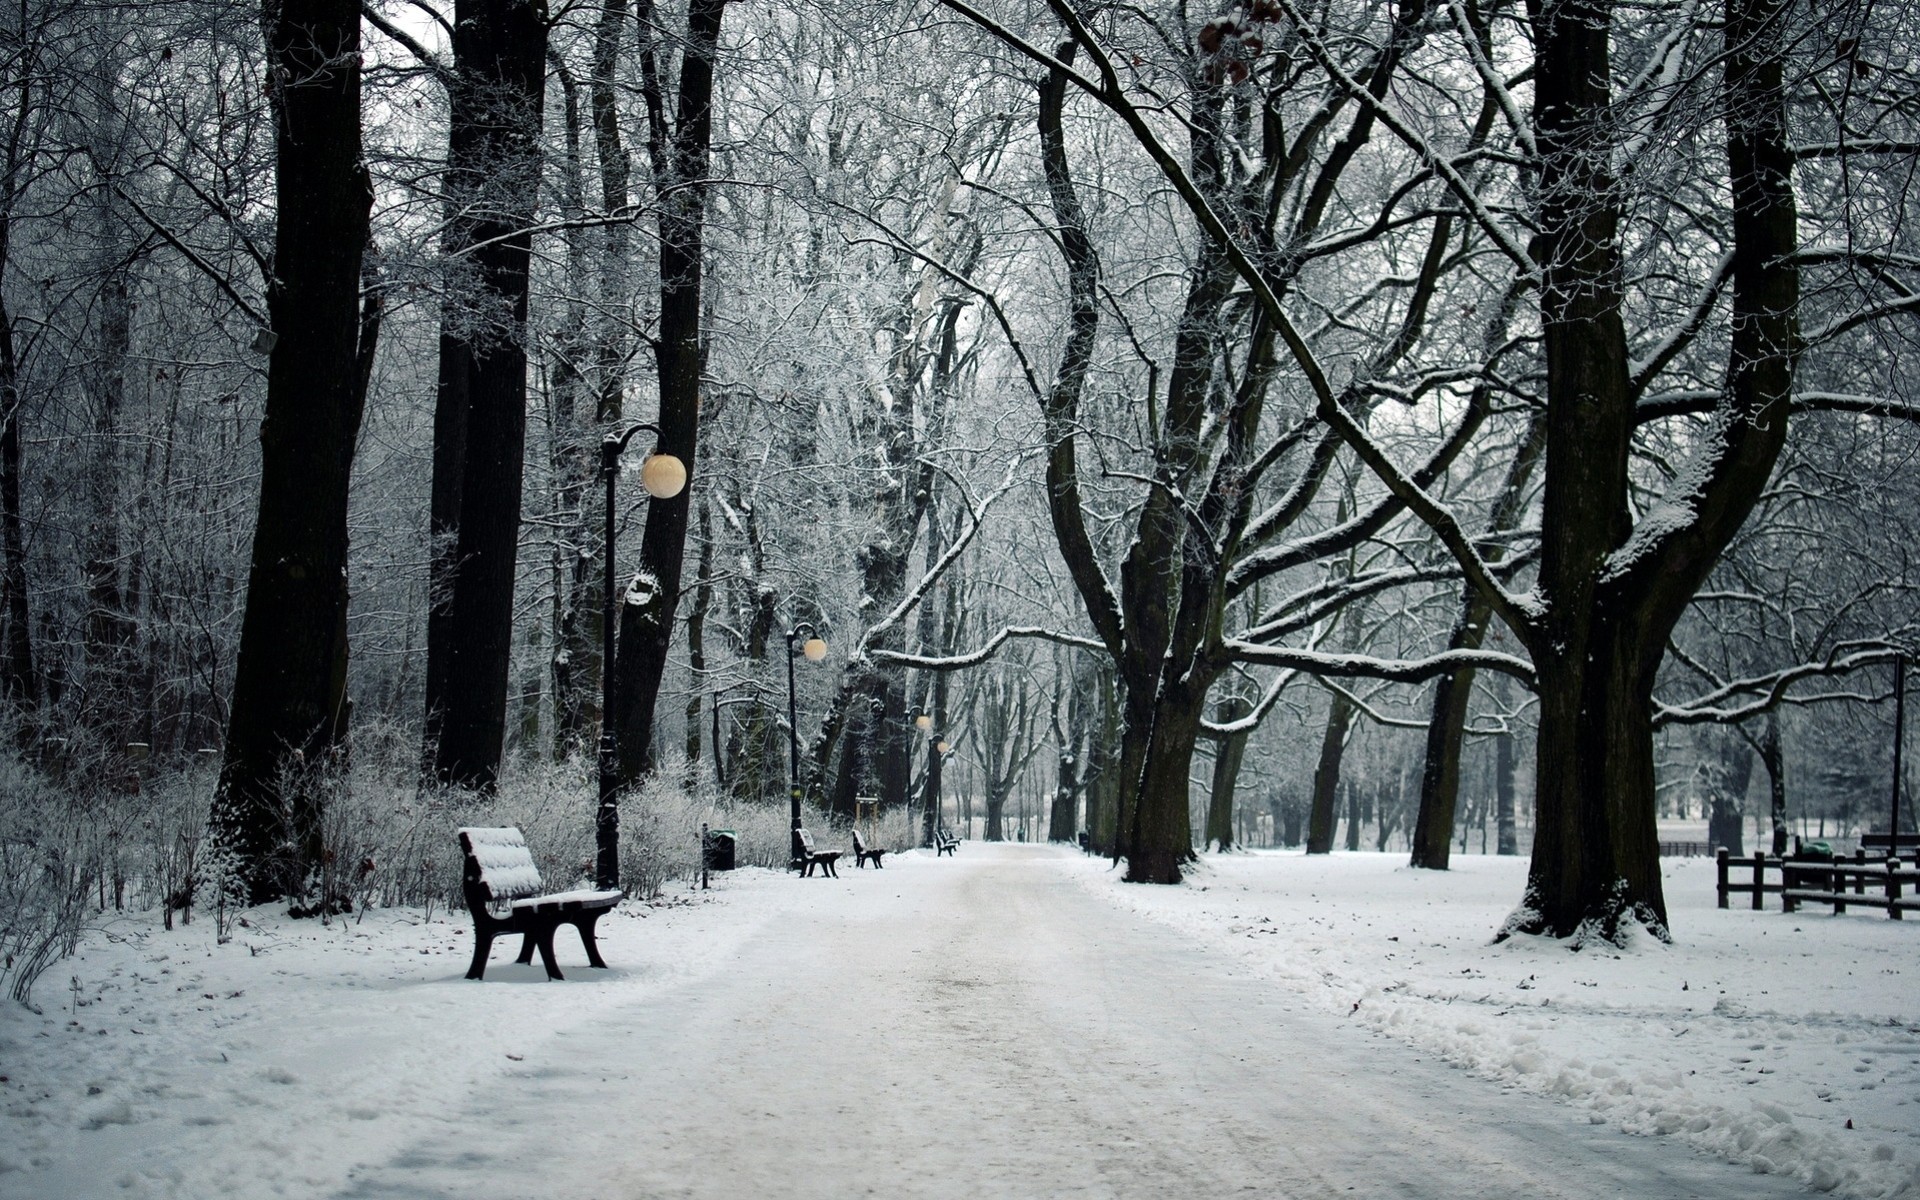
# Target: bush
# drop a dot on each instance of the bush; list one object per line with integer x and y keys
{"x": 50, "y": 864}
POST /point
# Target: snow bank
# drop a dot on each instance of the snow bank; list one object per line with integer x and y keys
{"x": 1788, "y": 1043}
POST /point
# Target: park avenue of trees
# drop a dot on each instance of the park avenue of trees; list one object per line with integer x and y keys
{"x": 1446, "y": 419}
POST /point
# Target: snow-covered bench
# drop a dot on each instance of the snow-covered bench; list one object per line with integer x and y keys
{"x": 944, "y": 842}
{"x": 863, "y": 853}
{"x": 806, "y": 858}
{"x": 505, "y": 894}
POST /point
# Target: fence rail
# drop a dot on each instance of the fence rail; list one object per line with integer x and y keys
{"x": 1883, "y": 883}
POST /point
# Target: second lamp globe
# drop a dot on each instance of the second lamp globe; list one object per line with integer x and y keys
{"x": 663, "y": 475}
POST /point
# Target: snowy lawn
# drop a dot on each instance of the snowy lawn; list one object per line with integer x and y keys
{"x": 1791, "y": 1043}
{"x": 168, "y": 1065}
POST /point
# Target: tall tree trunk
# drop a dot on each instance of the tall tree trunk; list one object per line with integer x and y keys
{"x": 496, "y": 99}
{"x": 1453, "y": 693}
{"x": 1775, "y": 760}
{"x": 18, "y": 681}
{"x": 1611, "y": 604}
{"x": 110, "y": 631}
{"x": 286, "y": 694}
{"x": 697, "y": 643}
{"x": 1507, "y": 836}
{"x": 679, "y": 155}
{"x": 1321, "y": 815}
{"x": 1162, "y": 834}
{"x": 574, "y": 661}
{"x": 1226, "y": 773}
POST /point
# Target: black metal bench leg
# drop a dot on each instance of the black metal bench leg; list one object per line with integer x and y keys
{"x": 528, "y": 941}
{"x": 587, "y": 939}
{"x": 482, "y": 946}
{"x": 546, "y": 951}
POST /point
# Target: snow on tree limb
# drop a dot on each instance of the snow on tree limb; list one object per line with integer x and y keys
{"x": 973, "y": 658}
{"x": 1770, "y": 690}
{"x": 1367, "y": 666}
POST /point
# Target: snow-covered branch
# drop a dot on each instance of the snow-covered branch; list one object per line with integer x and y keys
{"x": 973, "y": 658}
{"x": 1367, "y": 666}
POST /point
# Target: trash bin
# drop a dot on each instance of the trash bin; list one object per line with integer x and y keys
{"x": 720, "y": 846}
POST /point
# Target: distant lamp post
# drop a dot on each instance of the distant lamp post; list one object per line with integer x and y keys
{"x": 814, "y": 648}
{"x": 664, "y": 477}
{"x": 1899, "y": 738}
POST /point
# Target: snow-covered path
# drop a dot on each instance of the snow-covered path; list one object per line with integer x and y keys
{"x": 987, "y": 1027}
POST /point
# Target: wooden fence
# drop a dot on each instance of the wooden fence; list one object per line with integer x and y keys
{"x": 1883, "y": 883}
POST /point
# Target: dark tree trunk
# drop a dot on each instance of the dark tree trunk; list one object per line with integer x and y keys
{"x": 575, "y": 659}
{"x": 1727, "y": 797}
{"x": 1507, "y": 837}
{"x": 1102, "y": 775}
{"x": 1775, "y": 760}
{"x": 679, "y": 155}
{"x": 1453, "y": 693}
{"x": 697, "y": 643}
{"x": 18, "y": 680}
{"x": 1321, "y": 814}
{"x": 20, "y": 684}
{"x": 287, "y": 694}
{"x": 1162, "y": 833}
{"x": 480, "y": 415}
{"x": 1226, "y": 773}
{"x": 111, "y": 630}
{"x": 1612, "y": 605}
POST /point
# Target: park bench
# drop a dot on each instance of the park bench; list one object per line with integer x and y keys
{"x": 505, "y": 894}
{"x": 806, "y": 858}
{"x": 944, "y": 842}
{"x": 863, "y": 853}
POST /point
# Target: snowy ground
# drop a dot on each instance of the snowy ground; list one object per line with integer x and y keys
{"x": 1791, "y": 1044}
{"x": 1003, "y": 1023}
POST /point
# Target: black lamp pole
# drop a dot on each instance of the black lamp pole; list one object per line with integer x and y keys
{"x": 606, "y": 823}
{"x": 1899, "y": 730}
{"x": 797, "y": 633}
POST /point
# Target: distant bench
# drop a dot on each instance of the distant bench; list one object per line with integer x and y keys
{"x": 504, "y": 893}
{"x": 863, "y": 853}
{"x": 944, "y": 842}
{"x": 806, "y": 858}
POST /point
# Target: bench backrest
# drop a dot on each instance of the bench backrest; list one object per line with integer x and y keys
{"x": 859, "y": 844}
{"x": 498, "y": 865}
{"x": 806, "y": 840}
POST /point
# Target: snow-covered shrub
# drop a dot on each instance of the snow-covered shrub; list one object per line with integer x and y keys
{"x": 50, "y": 866}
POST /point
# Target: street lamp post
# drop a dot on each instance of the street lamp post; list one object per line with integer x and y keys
{"x": 663, "y": 476}
{"x": 1899, "y": 737}
{"x": 814, "y": 647}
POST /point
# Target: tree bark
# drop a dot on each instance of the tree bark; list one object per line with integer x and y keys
{"x": 1611, "y": 603}
{"x": 1775, "y": 760}
{"x": 18, "y": 681}
{"x": 1226, "y": 773}
{"x": 1321, "y": 814}
{"x": 480, "y": 415}
{"x": 1453, "y": 693}
{"x": 679, "y": 153}
{"x": 1507, "y": 837}
{"x": 287, "y": 695}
